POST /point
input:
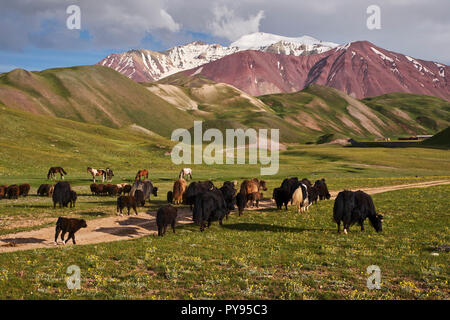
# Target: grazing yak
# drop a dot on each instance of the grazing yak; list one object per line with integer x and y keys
{"x": 252, "y": 186}
{"x": 179, "y": 188}
{"x": 322, "y": 189}
{"x": 354, "y": 207}
{"x": 281, "y": 197}
{"x": 45, "y": 190}
{"x": 70, "y": 225}
{"x": 128, "y": 202}
{"x": 209, "y": 206}
{"x": 13, "y": 192}
{"x": 196, "y": 188}
{"x": 300, "y": 198}
{"x": 24, "y": 189}
{"x": 165, "y": 216}
{"x": 62, "y": 194}
{"x": 290, "y": 184}
{"x": 228, "y": 192}
{"x": 146, "y": 186}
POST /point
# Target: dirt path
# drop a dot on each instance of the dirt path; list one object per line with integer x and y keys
{"x": 129, "y": 227}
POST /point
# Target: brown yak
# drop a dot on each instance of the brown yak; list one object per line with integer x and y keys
{"x": 179, "y": 187}
{"x": 248, "y": 187}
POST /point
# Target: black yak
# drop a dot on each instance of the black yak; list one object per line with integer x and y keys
{"x": 282, "y": 197}
{"x": 13, "y": 191}
{"x": 209, "y": 206}
{"x": 196, "y": 188}
{"x": 322, "y": 189}
{"x": 165, "y": 216}
{"x": 62, "y": 194}
{"x": 228, "y": 192}
{"x": 70, "y": 225}
{"x": 24, "y": 189}
{"x": 354, "y": 207}
{"x": 128, "y": 202}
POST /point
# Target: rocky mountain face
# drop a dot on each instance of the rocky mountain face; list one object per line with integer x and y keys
{"x": 359, "y": 69}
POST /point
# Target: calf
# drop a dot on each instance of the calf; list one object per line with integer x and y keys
{"x": 354, "y": 207}
{"x": 73, "y": 198}
{"x": 24, "y": 189}
{"x": 128, "y": 202}
{"x": 254, "y": 198}
{"x": 69, "y": 225}
{"x": 166, "y": 216}
{"x": 45, "y": 190}
{"x": 281, "y": 197}
{"x": 241, "y": 200}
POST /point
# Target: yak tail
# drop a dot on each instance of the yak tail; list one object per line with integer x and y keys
{"x": 63, "y": 171}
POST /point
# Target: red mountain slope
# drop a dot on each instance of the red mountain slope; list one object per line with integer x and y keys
{"x": 360, "y": 69}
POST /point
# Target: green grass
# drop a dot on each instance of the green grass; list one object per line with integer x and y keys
{"x": 265, "y": 254}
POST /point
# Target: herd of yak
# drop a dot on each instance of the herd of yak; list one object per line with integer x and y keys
{"x": 207, "y": 202}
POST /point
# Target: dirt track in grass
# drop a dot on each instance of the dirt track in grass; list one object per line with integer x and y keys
{"x": 125, "y": 227}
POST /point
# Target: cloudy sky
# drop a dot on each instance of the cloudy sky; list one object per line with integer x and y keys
{"x": 34, "y": 35}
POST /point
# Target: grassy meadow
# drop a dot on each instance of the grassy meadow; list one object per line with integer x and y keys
{"x": 264, "y": 254}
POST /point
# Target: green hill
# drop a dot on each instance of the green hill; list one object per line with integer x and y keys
{"x": 93, "y": 94}
{"x": 32, "y": 143}
{"x": 100, "y": 95}
{"x": 440, "y": 139}
{"x": 321, "y": 110}
{"x": 417, "y": 114}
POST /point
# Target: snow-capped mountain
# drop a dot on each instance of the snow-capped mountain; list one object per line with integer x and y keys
{"x": 147, "y": 66}
{"x": 267, "y": 42}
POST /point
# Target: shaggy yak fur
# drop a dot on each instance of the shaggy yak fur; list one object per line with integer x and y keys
{"x": 70, "y": 225}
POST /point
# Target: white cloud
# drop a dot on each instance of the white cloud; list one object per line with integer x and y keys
{"x": 228, "y": 25}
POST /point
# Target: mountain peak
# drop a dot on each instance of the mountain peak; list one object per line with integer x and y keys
{"x": 261, "y": 39}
